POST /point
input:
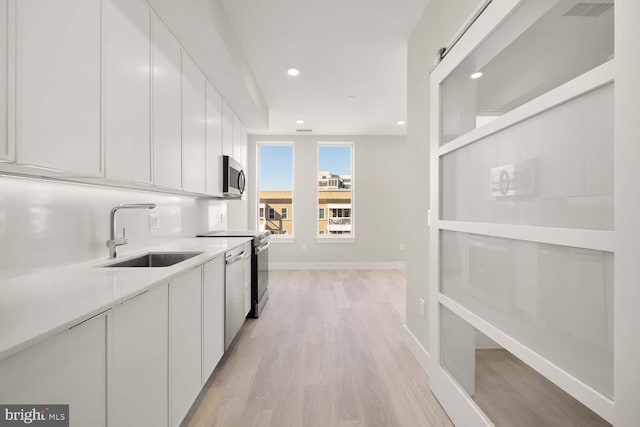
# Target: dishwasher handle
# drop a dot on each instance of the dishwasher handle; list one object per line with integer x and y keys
{"x": 262, "y": 248}
{"x": 235, "y": 258}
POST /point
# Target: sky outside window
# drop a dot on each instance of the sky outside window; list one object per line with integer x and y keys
{"x": 336, "y": 160}
{"x": 276, "y": 167}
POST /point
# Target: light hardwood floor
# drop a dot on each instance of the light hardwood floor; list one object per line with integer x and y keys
{"x": 328, "y": 351}
{"x": 513, "y": 394}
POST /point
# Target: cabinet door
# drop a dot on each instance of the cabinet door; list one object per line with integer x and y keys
{"x": 138, "y": 378}
{"x": 212, "y": 316}
{"x": 69, "y": 368}
{"x": 58, "y": 84}
{"x": 185, "y": 342}
{"x": 237, "y": 139}
{"x": 127, "y": 77}
{"x": 227, "y": 130}
{"x": 6, "y": 151}
{"x": 193, "y": 127}
{"x": 244, "y": 148}
{"x": 214, "y": 142}
{"x": 167, "y": 109}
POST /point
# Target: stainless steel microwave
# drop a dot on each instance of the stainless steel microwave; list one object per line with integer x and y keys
{"x": 233, "y": 177}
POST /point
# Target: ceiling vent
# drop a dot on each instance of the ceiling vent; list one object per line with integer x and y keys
{"x": 304, "y": 130}
{"x": 589, "y": 9}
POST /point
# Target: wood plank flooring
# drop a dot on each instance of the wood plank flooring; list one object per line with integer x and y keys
{"x": 328, "y": 351}
{"x": 513, "y": 394}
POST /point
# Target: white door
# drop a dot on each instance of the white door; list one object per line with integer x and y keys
{"x": 138, "y": 374}
{"x": 167, "y": 108}
{"x": 127, "y": 96}
{"x": 212, "y": 316}
{"x": 185, "y": 342}
{"x": 193, "y": 126}
{"x": 69, "y": 368}
{"x": 522, "y": 204}
{"x": 58, "y": 89}
{"x": 214, "y": 142}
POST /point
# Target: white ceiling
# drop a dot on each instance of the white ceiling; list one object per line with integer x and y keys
{"x": 342, "y": 48}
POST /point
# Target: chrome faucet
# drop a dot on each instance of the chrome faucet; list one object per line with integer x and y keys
{"x": 113, "y": 243}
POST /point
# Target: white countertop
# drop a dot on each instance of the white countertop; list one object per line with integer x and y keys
{"x": 36, "y": 306}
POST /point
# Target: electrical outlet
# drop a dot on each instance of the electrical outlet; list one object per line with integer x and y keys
{"x": 402, "y": 246}
{"x": 154, "y": 221}
{"x": 304, "y": 246}
{"x": 421, "y": 307}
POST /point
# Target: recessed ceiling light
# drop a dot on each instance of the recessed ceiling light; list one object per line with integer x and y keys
{"x": 299, "y": 121}
{"x": 293, "y": 71}
{"x": 351, "y": 98}
{"x": 401, "y": 123}
{"x": 476, "y": 75}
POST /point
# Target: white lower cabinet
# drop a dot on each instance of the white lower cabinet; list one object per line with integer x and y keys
{"x": 212, "y": 316}
{"x": 185, "y": 342}
{"x": 138, "y": 374}
{"x": 69, "y": 368}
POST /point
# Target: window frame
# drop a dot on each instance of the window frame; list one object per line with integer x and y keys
{"x": 284, "y": 212}
{"x": 328, "y": 237}
{"x": 276, "y": 238}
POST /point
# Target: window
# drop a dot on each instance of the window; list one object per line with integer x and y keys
{"x": 275, "y": 187}
{"x": 335, "y": 190}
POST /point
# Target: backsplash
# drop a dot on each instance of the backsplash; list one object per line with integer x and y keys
{"x": 45, "y": 224}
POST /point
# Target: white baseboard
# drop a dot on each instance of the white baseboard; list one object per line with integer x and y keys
{"x": 392, "y": 265}
{"x": 417, "y": 349}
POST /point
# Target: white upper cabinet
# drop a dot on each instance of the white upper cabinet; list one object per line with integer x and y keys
{"x": 58, "y": 85}
{"x": 227, "y": 130}
{"x": 6, "y": 151}
{"x": 236, "y": 138}
{"x": 239, "y": 141}
{"x": 193, "y": 126}
{"x": 214, "y": 142}
{"x": 127, "y": 77}
{"x": 167, "y": 109}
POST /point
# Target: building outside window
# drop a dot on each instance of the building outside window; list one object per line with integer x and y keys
{"x": 335, "y": 189}
{"x": 275, "y": 188}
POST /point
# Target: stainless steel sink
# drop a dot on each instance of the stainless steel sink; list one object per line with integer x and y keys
{"x": 155, "y": 259}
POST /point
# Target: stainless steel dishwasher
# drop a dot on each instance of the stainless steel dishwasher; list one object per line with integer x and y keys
{"x": 237, "y": 284}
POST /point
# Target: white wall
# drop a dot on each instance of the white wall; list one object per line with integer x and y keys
{"x": 436, "y": 28}
{"x": 379, "y": 208}
{"x": 44, "y": 224}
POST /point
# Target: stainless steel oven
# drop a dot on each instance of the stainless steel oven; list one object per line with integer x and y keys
{"x": 259, "y": 265}
{"x": 260, "y": 286}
